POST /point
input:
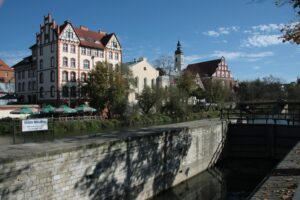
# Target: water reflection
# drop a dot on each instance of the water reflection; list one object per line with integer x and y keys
{"x": 232, "y": 179}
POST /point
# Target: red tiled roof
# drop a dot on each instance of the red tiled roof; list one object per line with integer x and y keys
{"x": 207, "y": 68}
{"x": 4, "y": 66}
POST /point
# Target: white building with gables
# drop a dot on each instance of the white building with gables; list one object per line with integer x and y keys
{"x": 61, "y": 59}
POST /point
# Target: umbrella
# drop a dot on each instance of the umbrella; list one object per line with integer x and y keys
{"x": 48, "y": 109}
{"x": 85, "y": 108}
{"x": 22, "y": 110}
{"x": 64, "y": 109}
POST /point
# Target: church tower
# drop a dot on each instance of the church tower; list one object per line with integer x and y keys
{"x": 179, "y": 58}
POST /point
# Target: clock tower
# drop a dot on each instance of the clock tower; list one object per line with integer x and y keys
{"x": 179, "y": 58}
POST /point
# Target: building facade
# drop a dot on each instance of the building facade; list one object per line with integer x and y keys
{"x": 6, "y": 73}
{"x": 61, "y": 59}
{"x": 144, "y": 74}
{"x": 213, "y": 70}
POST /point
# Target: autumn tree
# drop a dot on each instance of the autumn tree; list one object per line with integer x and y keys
{"x": 108, "y": 87}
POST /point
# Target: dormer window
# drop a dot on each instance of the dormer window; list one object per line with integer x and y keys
{"x": 114, "y": 44}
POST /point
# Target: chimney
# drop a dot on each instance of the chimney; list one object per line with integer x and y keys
{"x": 84, "y": 28}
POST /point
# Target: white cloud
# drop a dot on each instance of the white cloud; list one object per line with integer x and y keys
{"x": 242, "y": 55}
{"x": 192, "y": 58}
{"x": 13, "y": 57}
{"x": 268, "y": 27}
{"x": 262, "y": 41}
{"x": 221, "y": 31}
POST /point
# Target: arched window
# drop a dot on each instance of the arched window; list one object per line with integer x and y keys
{"x": 145, "y": 82}
{"x": 65, "y": 91}
{"x": 52, "y": 91}
{"x": 41, "y": 64}
{"x": 65, "y": 76}
{"x": 83, "y": 77}
{"x": 86, "y": 64}
{"x": 23, "y": 86}
{"x": 41, "y": 77}
{"x": 29, "y": 86}
{"x": 73, "y": 76}
{"x": 65, "y": 47}
{"x": 73, "y": 91}
{"x": 73, "y": 62}
{"x": 41, "y": 92}
{"x": 65, "y": 61}
{"x": 52, "y": 76}
{"x": 19, "y": 87}
{"x": 73, "y": 49}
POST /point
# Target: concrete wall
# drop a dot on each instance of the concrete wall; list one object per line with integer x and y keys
{"x": 125, "y": 165}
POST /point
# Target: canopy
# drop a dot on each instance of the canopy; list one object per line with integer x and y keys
{"x": 22, "y": 110}
{"x": 85, "y": 108}
{"x": 48, "y": 109}
{"x": 64, "y": 109}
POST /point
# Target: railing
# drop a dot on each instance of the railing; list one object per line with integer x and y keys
{"x": 262, "y": 116}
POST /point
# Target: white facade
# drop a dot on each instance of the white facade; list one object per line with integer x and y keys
{"x": 65, "y": 55}
{"x": 144, "y": 74}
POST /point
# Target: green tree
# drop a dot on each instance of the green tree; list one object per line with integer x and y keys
{"x": 216, "y": 92}
{"x": 108, "y": 87}
{"x": 149, "y": 98}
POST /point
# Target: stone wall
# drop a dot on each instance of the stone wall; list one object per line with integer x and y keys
{"x": 125, "y": 165}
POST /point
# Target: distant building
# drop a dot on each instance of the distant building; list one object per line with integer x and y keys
{"x": 211, "y": 71}
{"x": 6, "y": 73}
{"x": 144, "y": 74}
{"x": 61, "y": 59}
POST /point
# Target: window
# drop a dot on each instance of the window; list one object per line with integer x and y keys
{"x": 73, "y": 91}
{"x": 110, "y": 55}
{"x": 33, "y": 85}
{"x": 65, "y": 76}
{"x": 41, "y": 64}
{"x": 29, "y": 73}
{"x": 116, "y": 56}
{"x": 23, "y": 74}
{"x": 52, "y": 61}
{"x": 69, "y": 34}
{"x": 83, "y": 92}
{"x": 52, "y": 47}
{"x": 73, "y": 76}
{"x": 73, "y": 50}
{"x": 41, "y": 77}
{"x": 136, "y": 81}
{"x": 19, "y": 75}
{"x": 52, "y": 76}
{"x": 52, "y": 91}
{"x": 65, "y": 61}
{"x": 29, "y": 86}
{"x": 41, "y": 92}
{"x": 86, "y": 64}
{"x": 145, "y": 82}
{"x": 83, "y": 51}
{"x": 41, "y": 51}
{"x": 65, "y": 47}
{"x": 83, "y": 77}
{"x": 145, "y": 68}
{"x": 73, "y": 62}
{"x": 88, "y": 52}
{"x": 101, "y": 55}
{"x": 153, "y": 83}
{"x": 19, "y": 87}
{"x": 23, "y": 86}
{"x": 65, "y": 91}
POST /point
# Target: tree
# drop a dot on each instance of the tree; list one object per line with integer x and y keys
{"x": 149, "y": 98}
{"x": 164, "y": 62}
{"x": 292, "y": 31}
{"x": 108, "y": 87}
{"x": 216, "y": 92}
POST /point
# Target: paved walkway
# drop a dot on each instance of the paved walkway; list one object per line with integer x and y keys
{"x": 283, "y": 181}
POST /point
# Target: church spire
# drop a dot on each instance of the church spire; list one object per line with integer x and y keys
{"x": 179, "y": 57}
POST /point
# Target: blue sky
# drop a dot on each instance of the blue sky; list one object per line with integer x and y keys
{"x": 245, "y": 33}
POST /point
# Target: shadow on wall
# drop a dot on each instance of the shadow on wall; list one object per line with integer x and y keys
{"x": 139, "y": 168}
{"x": 7, "y": 189}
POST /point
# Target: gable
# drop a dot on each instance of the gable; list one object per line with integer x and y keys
{"x": 113, "y": 43}
{"x": 68, "y": 34}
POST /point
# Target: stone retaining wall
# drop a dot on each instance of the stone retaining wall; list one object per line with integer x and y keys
{"x": 125, "y": 165}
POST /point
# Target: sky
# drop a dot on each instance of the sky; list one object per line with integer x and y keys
{"x": 246, "y": 32}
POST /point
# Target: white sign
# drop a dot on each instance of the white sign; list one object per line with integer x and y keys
{"x": 34, "y": 125}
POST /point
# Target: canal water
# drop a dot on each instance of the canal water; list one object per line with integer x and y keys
{"x": 231, "y": 179}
